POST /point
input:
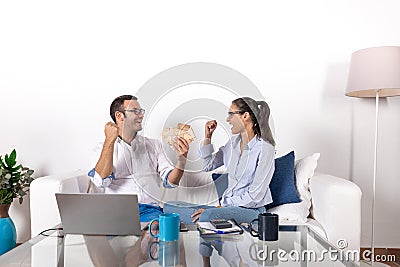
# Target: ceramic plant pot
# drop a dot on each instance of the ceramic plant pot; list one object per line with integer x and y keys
{"x": 8, "y": 234}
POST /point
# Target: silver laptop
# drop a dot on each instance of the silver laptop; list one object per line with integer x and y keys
{"x": 99, "y": 214}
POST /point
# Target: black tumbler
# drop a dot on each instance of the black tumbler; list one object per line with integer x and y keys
{"x": 268, "y": 227}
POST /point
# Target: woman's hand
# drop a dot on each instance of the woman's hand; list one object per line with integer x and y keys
{"x": 210, "y": 128}
{"x": 197, "y": 214}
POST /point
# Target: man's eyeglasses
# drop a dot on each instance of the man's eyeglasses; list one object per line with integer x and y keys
{"x": 137, "y": 111}
{"x": 231, "y": 113}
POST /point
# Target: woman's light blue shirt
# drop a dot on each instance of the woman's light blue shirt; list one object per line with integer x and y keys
{"x": 249, "y": 174}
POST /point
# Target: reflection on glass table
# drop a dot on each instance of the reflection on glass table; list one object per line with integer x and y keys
{"x": 297, "y": 246}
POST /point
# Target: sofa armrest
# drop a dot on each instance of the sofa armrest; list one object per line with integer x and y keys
{"x": 336, "y": 205}
{"x": 43, "y": 204}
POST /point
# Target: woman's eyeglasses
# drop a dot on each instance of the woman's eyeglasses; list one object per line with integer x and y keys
{"x": 231, "y": 113}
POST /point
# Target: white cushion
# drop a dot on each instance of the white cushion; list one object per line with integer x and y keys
{"x": 304, "y": 170}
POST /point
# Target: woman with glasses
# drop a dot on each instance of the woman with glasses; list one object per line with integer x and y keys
{"x": 249, "y": 161}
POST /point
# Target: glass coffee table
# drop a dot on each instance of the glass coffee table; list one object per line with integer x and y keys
{"x": 297, "y": 246}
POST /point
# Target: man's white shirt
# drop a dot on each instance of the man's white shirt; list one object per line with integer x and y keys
{"x": 140, "y": 168}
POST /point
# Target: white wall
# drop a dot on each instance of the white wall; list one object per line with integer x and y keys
{"x": 62, "y": 63}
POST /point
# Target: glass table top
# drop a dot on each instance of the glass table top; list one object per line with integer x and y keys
{"x": 296, "y": 246}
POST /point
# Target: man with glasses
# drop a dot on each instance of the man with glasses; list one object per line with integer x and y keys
{"x": 133, "y": 164}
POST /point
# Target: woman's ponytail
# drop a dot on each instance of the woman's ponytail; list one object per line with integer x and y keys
{"x": 263, "y": 121}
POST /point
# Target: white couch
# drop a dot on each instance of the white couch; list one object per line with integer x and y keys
{"x": 335, "y": 211}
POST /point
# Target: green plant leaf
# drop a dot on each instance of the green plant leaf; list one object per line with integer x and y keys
{"x": 7, "y": 160}
{"x": 13, "y": 158}
{"x": 21, "y": 192}
{"x": 6, "y": 196}
{"x": 2, "y": 163}
{"x": 15, "y": 168}
{"x": 16, "y": 174}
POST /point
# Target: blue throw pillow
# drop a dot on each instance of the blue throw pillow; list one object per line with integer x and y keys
{"x": 220, "y": 182}
{"x": 282, "y": 185}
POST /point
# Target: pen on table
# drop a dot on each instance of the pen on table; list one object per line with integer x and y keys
{"x": 215, "y": 231}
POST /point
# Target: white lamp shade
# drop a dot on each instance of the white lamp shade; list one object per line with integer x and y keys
{"x": 374, "y": 69}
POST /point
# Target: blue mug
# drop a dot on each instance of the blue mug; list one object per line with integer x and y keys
{"x": 168, "y": 227}
{"x": 168, "y": 253}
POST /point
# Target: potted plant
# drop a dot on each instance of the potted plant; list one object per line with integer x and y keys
{"x": 14, "y": 183}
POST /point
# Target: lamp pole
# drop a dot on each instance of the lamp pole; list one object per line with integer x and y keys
{"x": 374, "y": 177}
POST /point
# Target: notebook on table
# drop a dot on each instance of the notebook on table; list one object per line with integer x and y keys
{"x": 99, "y": 214}
{"x": 208, "y": 229}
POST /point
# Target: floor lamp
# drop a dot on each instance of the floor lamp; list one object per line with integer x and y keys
{"x": 374, "y": 72}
